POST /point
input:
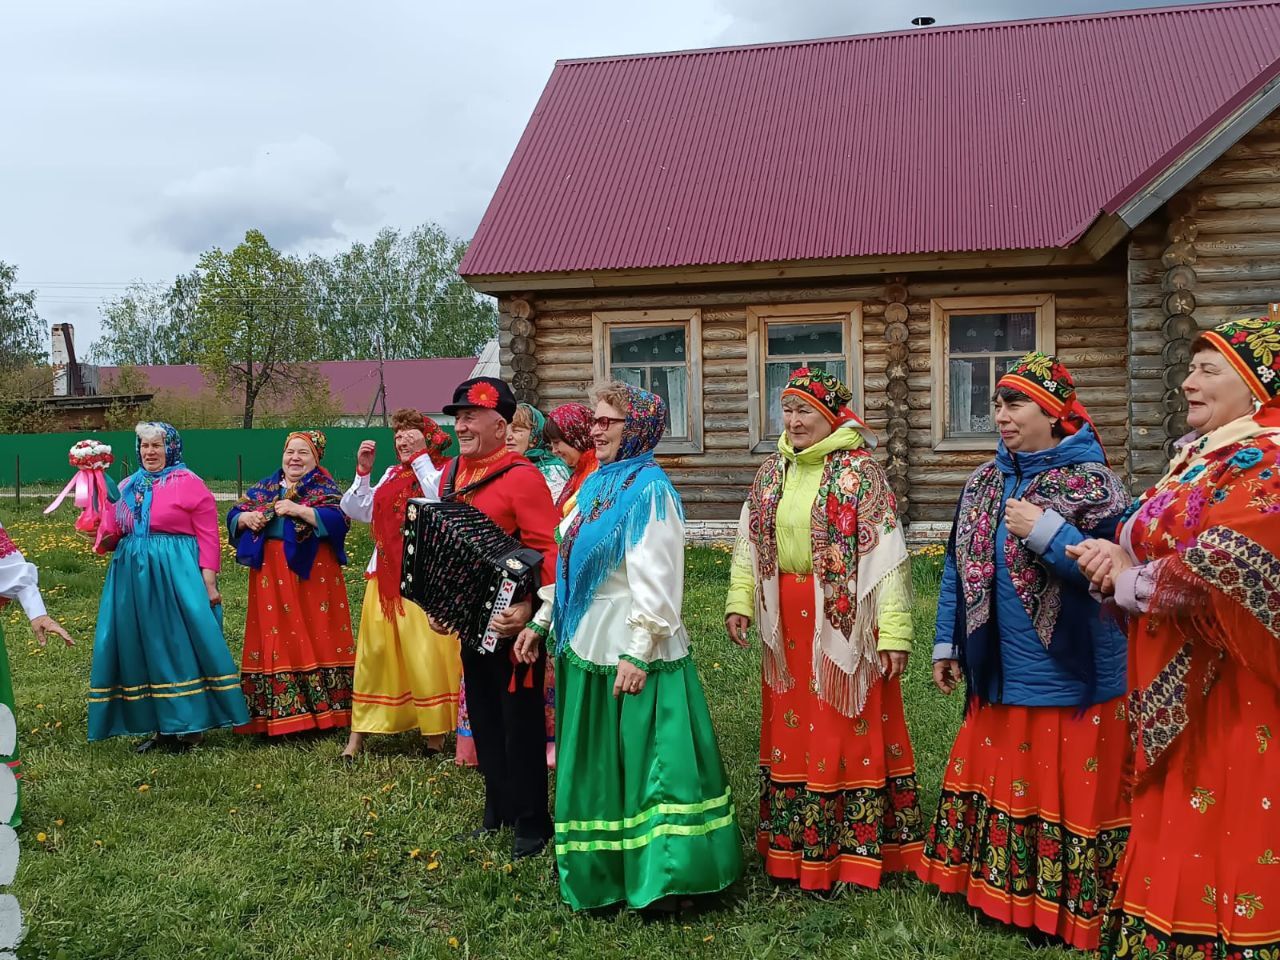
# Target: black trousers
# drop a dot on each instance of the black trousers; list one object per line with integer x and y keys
{"x": 510, "y": 734}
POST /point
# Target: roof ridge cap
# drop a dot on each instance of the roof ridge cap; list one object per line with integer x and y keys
{"x": 976, "y": 26}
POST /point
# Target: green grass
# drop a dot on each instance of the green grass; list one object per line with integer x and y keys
{"x": 243, "y": 849}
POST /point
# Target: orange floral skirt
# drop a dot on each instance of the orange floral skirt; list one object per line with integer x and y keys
{"x": 839, "y": 801}
{"x": 1033, "y": 819}
{"x": 1201, "y": 875}
{"x": 299, "y": 653}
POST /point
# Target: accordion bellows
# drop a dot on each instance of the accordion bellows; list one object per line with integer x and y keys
{"x": 462, "y": 568}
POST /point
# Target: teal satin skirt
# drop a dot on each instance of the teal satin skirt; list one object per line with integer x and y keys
{"x": 160, "y": 663}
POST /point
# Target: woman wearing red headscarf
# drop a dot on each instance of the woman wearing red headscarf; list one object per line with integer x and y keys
{"x": 1197, "y": 571}
{"x": 569, "y": 435}
{"x": 407, "y": 675}
{"x": 821, "y": 565}
{"x": 1032, "y": 819}
{"x": 299, "y": 652}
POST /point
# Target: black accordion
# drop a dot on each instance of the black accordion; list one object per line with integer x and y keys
{"x": 461, "y": 568}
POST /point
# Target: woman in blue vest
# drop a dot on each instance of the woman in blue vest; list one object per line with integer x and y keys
{"x": 1033, "y": 817}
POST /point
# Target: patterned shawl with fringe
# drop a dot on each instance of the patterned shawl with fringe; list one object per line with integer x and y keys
{"x": 858, "y": 546}
{"x": 1211, "y": 529}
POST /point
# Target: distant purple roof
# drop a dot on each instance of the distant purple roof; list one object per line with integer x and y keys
{"x": 424, "y": 384}
{"x": 994, "y": 136}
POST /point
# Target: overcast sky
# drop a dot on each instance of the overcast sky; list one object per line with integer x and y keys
{"x": 138, "y": 133}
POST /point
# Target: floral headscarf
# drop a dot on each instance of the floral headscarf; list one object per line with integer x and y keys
{"x": 438, "y": 441}
{"x": 314, "y": 439}
{"x": 646, "y": 423}
{"x": 133, "y": 510}
{"x": 574, "y": 421}
{"x": 825, "y": 393}
{"x": 1252, "y": 347}
{"x": 1052, "y": 388}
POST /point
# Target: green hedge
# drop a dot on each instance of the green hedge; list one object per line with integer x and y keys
{"x": 213, "y": 454}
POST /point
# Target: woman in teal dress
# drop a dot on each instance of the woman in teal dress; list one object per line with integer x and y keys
{"x": 160, "y": 663}
{"x": 644, "y": 813}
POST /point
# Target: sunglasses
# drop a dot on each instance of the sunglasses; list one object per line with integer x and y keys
{"x": 604, "y": 423}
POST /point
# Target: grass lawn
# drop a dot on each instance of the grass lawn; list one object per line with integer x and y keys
{"x": 242, "y": 849}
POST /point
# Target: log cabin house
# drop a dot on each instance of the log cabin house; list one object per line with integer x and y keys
{"x": 911, "y": 210}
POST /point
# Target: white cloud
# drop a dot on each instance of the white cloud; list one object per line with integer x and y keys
{"x": 298, "y": 193}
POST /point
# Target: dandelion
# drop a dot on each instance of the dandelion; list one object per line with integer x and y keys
{"x": 708, "y": 938}
{"x": 144, "y": 788}
{"x": 414, "y": 853}
{"x": 257, "y": 786}
{"x": 506, "y": 868}
{"x": 372, "y": 815}
{"x": 233, "y": 811}
{"x": 433, "y": 865}
{"x": 41, "y": 837}
{"x": 58, "y": 823}
{"x": 453, "y": 942}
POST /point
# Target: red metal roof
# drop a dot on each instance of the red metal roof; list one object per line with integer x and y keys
{"x": 426, "y": 385}
{"x": 979, "y": 137}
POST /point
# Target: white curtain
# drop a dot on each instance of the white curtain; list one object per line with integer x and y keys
{"x": 961, "y": 396}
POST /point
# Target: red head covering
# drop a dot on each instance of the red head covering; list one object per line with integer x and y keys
{"x": 1052, "y": 388}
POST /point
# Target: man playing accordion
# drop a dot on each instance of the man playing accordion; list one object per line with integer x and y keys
{"x": 505, "y": 699}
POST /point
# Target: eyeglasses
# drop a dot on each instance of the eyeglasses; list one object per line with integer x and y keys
{"x": 604, "y": 423}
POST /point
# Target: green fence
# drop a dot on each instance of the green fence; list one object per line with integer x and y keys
{"x": 248, "y": 455}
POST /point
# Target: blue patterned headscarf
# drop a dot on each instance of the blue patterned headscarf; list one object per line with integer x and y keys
{"x": 615, "y": 507}
{"x": 133, "y": 509}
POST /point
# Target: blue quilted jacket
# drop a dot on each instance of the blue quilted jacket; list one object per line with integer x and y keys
{"x": 1031, "y": 676}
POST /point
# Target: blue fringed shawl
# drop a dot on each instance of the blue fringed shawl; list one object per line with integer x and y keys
{"x": 615, "y": 506}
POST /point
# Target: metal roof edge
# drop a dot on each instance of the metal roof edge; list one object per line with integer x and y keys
{"x": 1149, "y": 192}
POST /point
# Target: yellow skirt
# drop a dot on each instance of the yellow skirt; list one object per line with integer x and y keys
{"x": 407, "y": 675}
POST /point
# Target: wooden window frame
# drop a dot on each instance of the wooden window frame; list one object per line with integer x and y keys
{"x": 605, "y": 320}
{"x": 940, "y": 310}
{"x": 846, "y": 312}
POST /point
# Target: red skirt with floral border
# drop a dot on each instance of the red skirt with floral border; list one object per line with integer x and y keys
{"x": 1200, "y": 879}
{"x": 299, "y": 653}
{"x": 839, "y": 802}
{"x": 1033, "y": 817}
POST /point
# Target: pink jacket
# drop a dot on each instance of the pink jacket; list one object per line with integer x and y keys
{"x": 181, "y": 505}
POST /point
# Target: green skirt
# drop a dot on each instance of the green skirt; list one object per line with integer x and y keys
{"x": 6, "y": 697}
{"x": 643, "y": 807}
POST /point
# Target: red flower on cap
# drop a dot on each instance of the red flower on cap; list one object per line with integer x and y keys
{"x": 818, "y": 390}
{"x": 483, "y": 395}
{"x": 799, "y": 372}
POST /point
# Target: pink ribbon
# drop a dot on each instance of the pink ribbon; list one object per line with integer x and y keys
{"x": 90, "y": 486}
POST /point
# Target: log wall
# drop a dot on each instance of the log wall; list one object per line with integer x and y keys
{"x": 1212, "y": 255}
{"x": 898, "y": 369}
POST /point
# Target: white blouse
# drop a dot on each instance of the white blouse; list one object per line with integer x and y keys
{"x": 636, "y": 611}
{"x": 20, "y": 580}
{"x": 357, "y": 502}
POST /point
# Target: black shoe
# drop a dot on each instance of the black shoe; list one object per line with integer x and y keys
{"x": 164, "y": 741}
{"x": 525, "y": 847}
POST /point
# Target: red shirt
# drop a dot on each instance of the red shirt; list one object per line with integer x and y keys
{"x": 519, "y": 501}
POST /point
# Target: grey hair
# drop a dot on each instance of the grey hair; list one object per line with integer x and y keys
{"x": 614, "y": 393}
{"x": 149, "y": 431}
